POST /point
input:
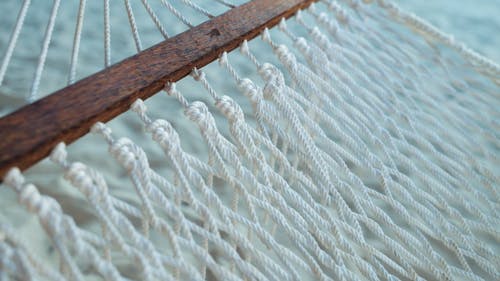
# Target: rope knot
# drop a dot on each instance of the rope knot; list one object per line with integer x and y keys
{"x": 285, "y": 55}
{"x": 250, "y": 90}
{"x": 270, "y": 90}
{"x": 267, "y": 71}
{"x": 223, "y": 59}
{"x": 139, "y": 107}
{"x": 28, "y": 194}
{"x": 34, "y": 201}
{"x": 230, "y": 109}
{"x": 172, "y": 91}
{"x": 282, "y": 25}
{"x": 170, "y": 88}
{"x": 271, "y": 73}
{"x": 330, "y": 25}
{"x": 319, "y": 36}
{"x": 266, "y": 36}
{"x": 121, "y": 151}
{"x": 298, "y": 16}
{"x": 198, "y": 74}
{"x": 105, "y": 131}
{"x": 59, "y": 154}
{"x": 78, "y": 176}
{"x": 244, "y": 49}
{"x": 81, "y": 177}
{"x": 302, "y": 45}
{"x": 198, "y": 112}
{"x": 163, "y": 133}
{"x": 340, "y": 13}
{"x": 14, "y": 178}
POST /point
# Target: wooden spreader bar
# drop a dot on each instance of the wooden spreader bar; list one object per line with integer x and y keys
{"x": 29, "y": 134}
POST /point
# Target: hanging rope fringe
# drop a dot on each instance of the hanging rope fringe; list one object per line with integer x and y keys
{"x": 363, "y": 155}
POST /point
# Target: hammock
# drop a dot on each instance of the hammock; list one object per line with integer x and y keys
{"x": 349, "y": 141}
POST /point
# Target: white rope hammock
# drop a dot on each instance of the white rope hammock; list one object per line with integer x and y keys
{"x": 351, "y": 149}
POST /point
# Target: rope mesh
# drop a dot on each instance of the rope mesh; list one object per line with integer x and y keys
{"x": 352, "y": 150}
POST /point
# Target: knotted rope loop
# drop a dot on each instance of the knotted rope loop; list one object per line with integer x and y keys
{"x": 122, "y": 152}
{"x": 198, "y": 112}
{"x": 250, "y": 90}
{"x": 163, "y": 133}
{"x": 230, "y": 109}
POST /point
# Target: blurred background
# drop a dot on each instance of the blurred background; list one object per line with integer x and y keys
{"x": 474, "y": 22}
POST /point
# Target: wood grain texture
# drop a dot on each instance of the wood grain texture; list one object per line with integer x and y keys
{"x": 29, "y": 134}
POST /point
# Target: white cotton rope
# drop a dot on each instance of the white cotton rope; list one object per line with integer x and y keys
{"x": 133, "y": 26}
{"x": 107, "y": 34}
{"x": 176, "y": 13}
{"x": 45, "y": 49}
{"x": 76, "y": 42}
{"x": 13, "y": 39}
{"x": 352, "y": 150}
{"x": 155, "y": 18}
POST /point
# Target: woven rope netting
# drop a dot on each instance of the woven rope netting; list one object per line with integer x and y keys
{"x": 356, "y": 143}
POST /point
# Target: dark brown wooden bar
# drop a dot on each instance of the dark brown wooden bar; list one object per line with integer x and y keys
{"x": 29, "y": 134}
